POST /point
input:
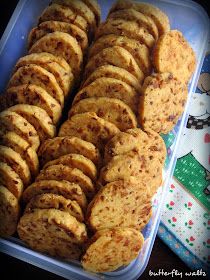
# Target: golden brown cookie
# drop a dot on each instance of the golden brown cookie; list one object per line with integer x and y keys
{"x": 61, "y": 44}
{"x": 112, "y": 248}
{"x": 95, "y": 8}
{"x": 116, "y": 56}
{"x": 59, "y": 146}
{"x": 173, "y": 54}
{"x": 62, "y": 172}
{"x": 111, "y": 109}
{"x": 89, "y": 127}
{"x": 56, "y": 233}
{"x": 66, "y": 189}
{"x": 162, "y": 102}
{"x": 55, "y": 201}
{"x": 76, "y": 161}
{"x": 37, "y": 75}
{"x": 9, "y": 212}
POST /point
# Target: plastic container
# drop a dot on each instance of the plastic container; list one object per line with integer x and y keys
{"x": 185, "y": 16}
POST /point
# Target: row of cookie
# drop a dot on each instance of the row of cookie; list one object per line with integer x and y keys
{"x": 41, "y": 82}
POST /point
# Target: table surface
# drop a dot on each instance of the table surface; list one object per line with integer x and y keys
{"x": 161, "y": 258}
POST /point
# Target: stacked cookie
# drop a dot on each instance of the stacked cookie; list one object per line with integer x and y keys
{"x": 32, "y": 105}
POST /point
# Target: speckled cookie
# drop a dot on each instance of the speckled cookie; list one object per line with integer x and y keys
{"x": 126, "y": 28}
{"x": 22, "y": 147}
{"x": 76, "y": 161}
{"x": 62, "y": 172}
{"x": 112, "y": 248}
{"x": 10, "y": 180}
{"x": 89, "y": 127}
{"x": 61, "y": 44}
{"x": 38, "y": 118}
{"x": 110, "y": 88}
{"x": 59, "y": 146}
{"x": 162, "y": 102}
{"x": 66, "y": 189}
{"x": 37, "y": 75}
{"x": 51, "y": 26}
{"x": 173, "y": 54}
{"x": 95, "y": 8}
{"x": 10, "y": 121}
{"x": 139, "y": 51}
{"x": 113, "y": 110}
{"x": 116, "y": 56}
{"x": 9, "y": 212}
{"x": 55, "y": 201}
{"x": 34, "y": 95}
{"x": 54, "y": 232}
{"x": 64, "y": 78}
{"x": 120, "y": 203}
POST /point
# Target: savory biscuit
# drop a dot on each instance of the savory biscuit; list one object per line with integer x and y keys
{"x": 66, "y": 189}
{"x": 11, "y": 180}
{"x": 109, "y": 249}
{"x": 173, "y": 54}
{"x": 15, "y": 161}
{"x": 76, "y": 161}
{"x": 51, "y": 26}
{"x": 62, "y": 172}
{"x": 139, "y": 51}
{"x": 116, "y": 56}
{"x": 110, "y": 109}
{"x": 56, "y": 233}
{"x": 34, "y": 95}
{"x": 22, "y": 147}
{"x": 9, "y": 212}
{"x": 55, "y": 201}
{"x": 10, "y": 121}
{"x": 161, "y": 102}
{"x": 120, "y": 203}
{"x": 89, "y": 127}
{"x": 61, "y": 44}
{"x": 38, "y": 118}
{"x": 54, "y": 148}
{"x": 110, "y": 88}
{"x": 37, "y": 75}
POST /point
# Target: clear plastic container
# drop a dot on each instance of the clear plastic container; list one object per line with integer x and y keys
{"x": 186, "y": 16}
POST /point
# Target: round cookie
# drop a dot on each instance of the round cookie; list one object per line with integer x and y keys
{"x": 11, "y": 180}
{"x": 120, "y": 203}
{"x": 126, "y": 28}
{"x": 61, "y": 44}
{"x": 55, "y": 201}
{"x": 64, "y": 78}
{"x": 51, "y": 26}
{"x": 37, "y": 75}
{"x": 9, "y": 212}
{"x": 95, "y": 8}
{"x": 62, "y": 172}
{"x": 66, "y": 189}
{"x": 110, "y": 88}
{"x": 89, "y": 127}
{"x": 10, "y": 121}
{"x": 116, "y": 56}
{"x": 65, "y": 14}
{"x": 111, "y": 71}
{"x": 15, "y": 161}
{"x": 139, "y": 51}
{"x": 59, "y": 146}
{"x": 34, "y": 95}
{"x": 76, "y": 161}
{"x": 109, "y": 250}
{"x": 173, "y": 54}
{"x": 161, "y": 102}
{"x": 22, "y": 147}
{"x": 38, "y": 118}
{"x": 56, "y": 233}
{"x": 110, "y": 109}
